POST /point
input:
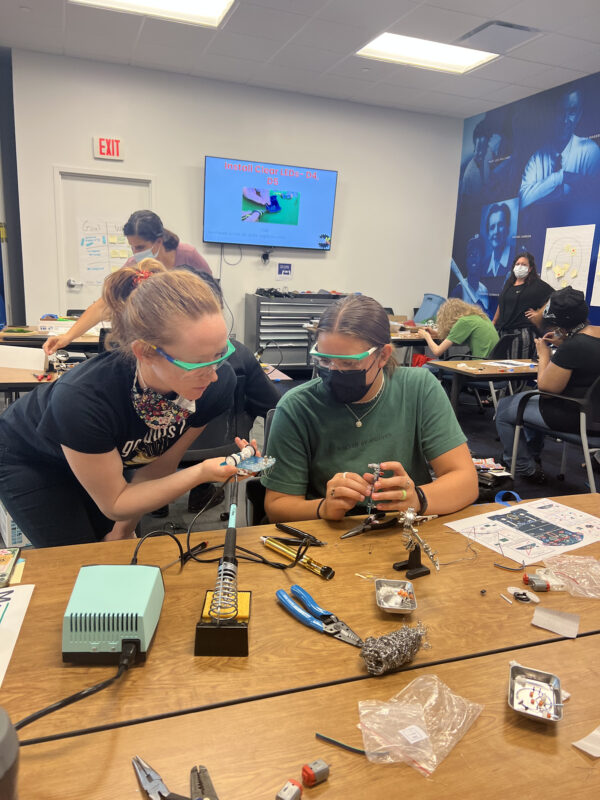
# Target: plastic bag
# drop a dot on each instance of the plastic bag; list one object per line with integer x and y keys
{"x": 580, "y": 574}
{"x": 419, "y": 726}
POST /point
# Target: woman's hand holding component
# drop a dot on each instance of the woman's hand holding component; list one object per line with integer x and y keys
{"x": 396, "y": 493}
{"x": 344, "y": 491}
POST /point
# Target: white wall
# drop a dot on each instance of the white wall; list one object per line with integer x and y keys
{"x": 397, "y": 183}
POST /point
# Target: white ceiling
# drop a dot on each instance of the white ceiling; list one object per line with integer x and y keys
{"x": 308, "y": 46}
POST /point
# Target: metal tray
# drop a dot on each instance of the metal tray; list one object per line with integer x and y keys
{"x": 389, "y": 597}
{"x": 535, "y": 693}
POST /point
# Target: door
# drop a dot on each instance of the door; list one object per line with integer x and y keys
{"x": 91, "y": 209}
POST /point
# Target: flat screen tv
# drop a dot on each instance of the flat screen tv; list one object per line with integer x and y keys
{"x": 268, "y": 205}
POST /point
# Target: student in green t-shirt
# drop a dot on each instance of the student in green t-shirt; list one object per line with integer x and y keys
{"x": 362, "y": 410}
{"x": 458, "y": 322}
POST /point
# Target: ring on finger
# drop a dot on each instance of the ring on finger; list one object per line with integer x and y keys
{"x": 403, "y": 494}
{"x": 332, "y": 492}
{"x": 344, "y": 475}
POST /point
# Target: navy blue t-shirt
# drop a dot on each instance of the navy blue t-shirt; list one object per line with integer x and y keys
{"x": 89, "y": 409}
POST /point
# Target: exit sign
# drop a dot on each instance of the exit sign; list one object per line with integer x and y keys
{"x": 108, "y": 147}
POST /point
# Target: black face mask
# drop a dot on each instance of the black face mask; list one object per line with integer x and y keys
{"x": 346, "y": 386}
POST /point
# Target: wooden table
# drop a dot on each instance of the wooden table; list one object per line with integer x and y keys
{"x": 15, "y": 380}
{"x": 35, "y": 338}
{"x": 284, "y": 654}
{"x": 480, "y": 370}
{"x": 253, "y": 748}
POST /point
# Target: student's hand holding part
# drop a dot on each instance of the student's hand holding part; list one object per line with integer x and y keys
{"x": 344, "y": 491}
{"x": 396, "y": 493}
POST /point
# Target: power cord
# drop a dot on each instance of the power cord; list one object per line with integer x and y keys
{"x": 128, "y": 654}
{"x": 191, "y": 553}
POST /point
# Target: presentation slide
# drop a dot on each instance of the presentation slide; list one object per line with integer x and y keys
{"x": 268, "y": 205}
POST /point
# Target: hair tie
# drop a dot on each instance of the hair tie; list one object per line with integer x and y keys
{"x": 141, "y": 276}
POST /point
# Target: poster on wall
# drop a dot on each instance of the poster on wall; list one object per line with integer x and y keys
{"x": 567, "y": 256}
{"x": 102, "y": 249}
{"x": 530, "y": 182}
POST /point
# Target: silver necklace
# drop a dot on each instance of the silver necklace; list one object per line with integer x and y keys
{"x": 374, "y": 402}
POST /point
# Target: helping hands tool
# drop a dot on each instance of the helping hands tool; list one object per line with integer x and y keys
{"x": 316, "y": 617}
{"x": 376, "y": 520}
{"x": 201, "y": 786}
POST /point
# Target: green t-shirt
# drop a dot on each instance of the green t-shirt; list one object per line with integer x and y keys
{"x": 312, "y": 436}
{"x": 476, "y": 332}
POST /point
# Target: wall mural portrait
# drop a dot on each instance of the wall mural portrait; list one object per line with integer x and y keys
{"x": 530, "y": 177}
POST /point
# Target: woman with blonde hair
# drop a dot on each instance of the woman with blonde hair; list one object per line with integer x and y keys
{"x": 457, "y": 323}
{"x": 362, "y": 410}
{"x": 65, "y": 445}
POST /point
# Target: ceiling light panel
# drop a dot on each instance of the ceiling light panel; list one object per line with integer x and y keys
{"x": 425, "y": 54}
{"x": 208, "y": 13}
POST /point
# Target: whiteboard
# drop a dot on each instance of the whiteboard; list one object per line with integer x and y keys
{"x": 95, "y": 203}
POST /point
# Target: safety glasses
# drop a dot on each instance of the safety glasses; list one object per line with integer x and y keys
{"x": 350, "y": 362}
{"x": 189, "y": 366}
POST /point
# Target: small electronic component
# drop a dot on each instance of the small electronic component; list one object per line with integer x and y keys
{"x": 535, "y": 693}
{"x": 536, "y": 583}
{"x": 397, "y": 597}
{"x": 291, "y": 791}
{"x": 315, "y": 772}
{"x": 522, "y": 595}
{"x": 376, "y": 475}
{"x": 247, "y": 462}
{"x": 236, "y": 458}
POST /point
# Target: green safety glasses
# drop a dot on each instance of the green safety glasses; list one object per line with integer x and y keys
{"x": 187, "y": 365}
{"x": 325, "y": 359}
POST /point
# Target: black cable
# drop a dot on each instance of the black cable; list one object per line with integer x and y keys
{"x": 151, "y": 535}
{"x": 128, "y": 654}
{"x": 280, "y": 362}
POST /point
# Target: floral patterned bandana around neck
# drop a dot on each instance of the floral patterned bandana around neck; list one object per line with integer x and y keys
{"x": 156, "y": 410}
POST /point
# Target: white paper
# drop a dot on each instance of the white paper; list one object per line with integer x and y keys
{"x": 567, "y": 256}
{"x": 508, "y": 364}
{"x": 595, "y": 301}
{"x": 590, "y": 744}
{"x": 102, "y": 249}
{"x": 556, "y": 621}
{"x": 13, "y": 605}
{"x": 531, "y": 532}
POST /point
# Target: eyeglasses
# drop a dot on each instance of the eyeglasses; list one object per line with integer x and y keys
{"x": 328, "y": 360}
{"x": 189, "y": 366}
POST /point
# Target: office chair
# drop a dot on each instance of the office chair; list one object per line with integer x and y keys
{"x": 218, "y": 438}
{"x": 588, "y": 437}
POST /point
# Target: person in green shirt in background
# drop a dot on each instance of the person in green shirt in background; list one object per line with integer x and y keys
{"x": 458, "y": 322}
{"x": 362, "y": 409}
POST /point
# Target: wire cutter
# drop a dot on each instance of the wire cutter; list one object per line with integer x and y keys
{"x": 318, "y": 619}
{"x": 201, "y": 786}
{"x": 45, "y": 376}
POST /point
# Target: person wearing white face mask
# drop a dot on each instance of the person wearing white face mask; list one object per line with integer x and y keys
{"x": 524, "y": 293}
{"x": 148, "y": 238}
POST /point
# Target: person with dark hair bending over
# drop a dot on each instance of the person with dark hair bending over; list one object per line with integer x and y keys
{"x": 524, "y": 294}
{"x": 148, "y": 239}
{"x": 571, "y": 370}
{"x": 65, "y": 445}
{"x": 361, "y": 410}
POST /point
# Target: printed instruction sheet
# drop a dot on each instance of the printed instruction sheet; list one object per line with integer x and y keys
{"x": 531, "y": 532}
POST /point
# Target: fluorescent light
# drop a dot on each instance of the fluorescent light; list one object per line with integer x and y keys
{"x": 208, "y": 13}
{"x": 424, "y": 54}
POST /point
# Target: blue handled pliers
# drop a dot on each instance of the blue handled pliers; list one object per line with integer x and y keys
{"x": 318, "y": 619}
{"x": 201, "y": 786}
